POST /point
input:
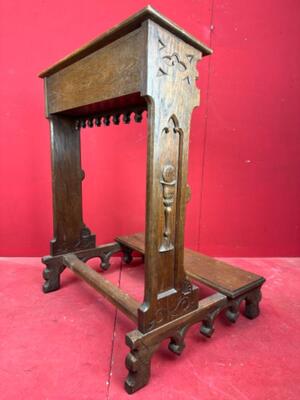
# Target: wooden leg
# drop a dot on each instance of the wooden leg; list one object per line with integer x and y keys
{"x": 233, "y": 311}
{"x": 143, "y": 345}
{"x": 207, "y": 328}
{"x": 70, "y": 232}
{"x": 51, "y": 274}
{"x": 252, "y": 303}
{"x": 55, "y": 265}
{"x": 127, "y": 254}
{"x": 138, "y": 363}
{"x": 177, "y": 343}
{"x": 105, "y": 259}
{"x": 252, "y": 300}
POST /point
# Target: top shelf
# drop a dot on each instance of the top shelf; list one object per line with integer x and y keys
{"x": 122, "y": 29}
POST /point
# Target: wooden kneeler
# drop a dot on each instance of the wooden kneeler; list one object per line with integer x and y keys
{"x": 145, "y": 64}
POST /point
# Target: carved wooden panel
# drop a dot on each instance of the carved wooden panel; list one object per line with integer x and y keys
{"x": 170, "y": 161}
{"x": 70, "y": 233}
{"x": 113, "y": 117}
{"x": 169, "y": 87}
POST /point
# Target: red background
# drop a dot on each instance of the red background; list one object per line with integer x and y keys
{"x": 245, "y": 143}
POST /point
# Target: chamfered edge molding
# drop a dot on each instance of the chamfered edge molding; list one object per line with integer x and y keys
{"x": 121, "y": 29}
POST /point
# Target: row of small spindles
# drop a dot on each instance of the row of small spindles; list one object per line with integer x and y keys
{"x": 107, "y": 119}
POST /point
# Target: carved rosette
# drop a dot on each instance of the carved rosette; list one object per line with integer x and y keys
{"x": 173, "y": 62}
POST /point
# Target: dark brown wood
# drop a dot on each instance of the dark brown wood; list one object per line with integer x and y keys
{"x": 225, "y": 278}
{"x": 122, "y": 29}
{"x": 136, "y": 241}
{"x": 143, "y": 345}
{"x": 143, "y": 67}
{"x": 169, "y": 86}
{"x": 237, "y": 284}
{"x": 55, "y": 264}
{"x": 97, "y": 77}
{"x": 115, "y": 105}
{"x": 116, "y": 296}
{"x": 219, "y": 275}
{"x": 113, "y": 117}
{"x": 70, "y": 232}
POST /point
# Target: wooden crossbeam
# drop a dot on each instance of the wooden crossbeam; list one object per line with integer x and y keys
{"x": 116, "y": 296}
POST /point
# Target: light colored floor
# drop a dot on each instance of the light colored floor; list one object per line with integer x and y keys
{"x": 70, "y": 344}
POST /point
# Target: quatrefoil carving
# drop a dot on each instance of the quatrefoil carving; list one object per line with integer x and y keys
{"x": 175, "y": 62}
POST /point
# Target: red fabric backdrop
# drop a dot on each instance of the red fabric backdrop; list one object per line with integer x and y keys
{"x": 245, "y": 143}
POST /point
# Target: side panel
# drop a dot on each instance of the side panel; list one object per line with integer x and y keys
{"x": 169, "y": 86}
{"x": 70, "y": 233}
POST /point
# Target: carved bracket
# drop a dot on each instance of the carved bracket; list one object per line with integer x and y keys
{"x": 112, "y": 117}
{"x": 55, "y": 265}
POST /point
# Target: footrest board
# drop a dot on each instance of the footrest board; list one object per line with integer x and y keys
{"x": 224, "y": 278}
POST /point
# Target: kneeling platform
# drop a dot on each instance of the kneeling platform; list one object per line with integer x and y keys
{"x": 235, "y": 283}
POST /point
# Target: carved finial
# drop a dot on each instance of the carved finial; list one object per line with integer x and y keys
{"x": 106, "y": 120}
{"x": 126, "y": 117}
{"x": 138, "y": 116}
{"x": 116, "y": 119}
{"x": 98, "y": 121}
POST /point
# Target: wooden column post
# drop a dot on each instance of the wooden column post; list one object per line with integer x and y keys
{"x": 70, "y": 233}
{"x": 169, "y": 86}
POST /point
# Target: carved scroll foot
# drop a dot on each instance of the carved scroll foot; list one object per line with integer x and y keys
{"x": 105, "y": 257}
{"x": 207, "y": 328}
{"x": 232, "y": 313}
{"x": 177, "y": 344}
{"x": 138, "y": 363}
{"x": 143, "y": 345}
{"x": 51, "y": 275}
{"x": 252, "y": 304}
{"x": 127, "y": 255}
